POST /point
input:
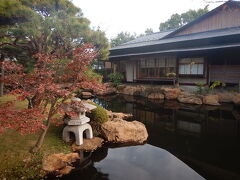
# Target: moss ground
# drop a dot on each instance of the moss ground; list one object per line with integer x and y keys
{"x": 16, "y": 161}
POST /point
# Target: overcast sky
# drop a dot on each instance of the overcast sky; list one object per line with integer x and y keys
{"x": 114, "y": 16}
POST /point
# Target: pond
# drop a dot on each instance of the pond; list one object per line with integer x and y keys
{"x": 144, "y": 162}
{"x": 185, "y": 142}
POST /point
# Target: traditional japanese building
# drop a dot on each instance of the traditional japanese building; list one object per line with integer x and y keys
{"x": 205, "y": 50}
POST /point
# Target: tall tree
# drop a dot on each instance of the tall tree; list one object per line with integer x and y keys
{"x": 46, "y": 26}
{"x": 148, "y": 31}
{"x": 178, "y": 20}
{"x": 121, "y": 38}
{"x": 47, "y": 98}
{"x": 28, "y": 27}
{"x": 11, "y": 12}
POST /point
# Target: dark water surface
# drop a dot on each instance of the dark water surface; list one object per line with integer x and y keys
{"x": 186, "y": 142}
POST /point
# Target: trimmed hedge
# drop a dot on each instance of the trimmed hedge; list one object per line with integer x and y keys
{"x": 97, "y": 116}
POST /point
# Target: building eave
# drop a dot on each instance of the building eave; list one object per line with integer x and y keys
{"x": 217, "y": 47}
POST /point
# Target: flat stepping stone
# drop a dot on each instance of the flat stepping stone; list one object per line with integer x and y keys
{"x": 88, "y": 145}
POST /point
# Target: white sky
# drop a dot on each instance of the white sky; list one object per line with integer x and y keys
{"x": 114, "y": 16}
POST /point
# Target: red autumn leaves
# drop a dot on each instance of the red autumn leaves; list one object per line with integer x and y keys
{"x": 43, "y": 88}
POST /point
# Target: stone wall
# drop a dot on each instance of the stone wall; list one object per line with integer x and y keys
{"x": 183, "y": 95}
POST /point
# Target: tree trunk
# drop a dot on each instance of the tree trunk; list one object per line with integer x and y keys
{"x": 39, "y": 142}
{"x": 33, "y": 102}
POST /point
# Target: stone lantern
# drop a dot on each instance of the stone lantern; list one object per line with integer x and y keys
{"x": 78, "y": 124}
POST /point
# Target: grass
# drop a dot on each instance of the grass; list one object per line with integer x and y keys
{"x": 16, "y": 161}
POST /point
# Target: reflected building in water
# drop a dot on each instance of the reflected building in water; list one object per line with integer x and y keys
{"x": 205, "y": 137}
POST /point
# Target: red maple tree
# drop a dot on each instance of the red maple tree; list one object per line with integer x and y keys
{"x": 43, "y": 89}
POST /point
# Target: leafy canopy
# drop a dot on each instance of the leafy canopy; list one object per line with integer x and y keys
{"x": 121, "y": 38}
{"x": 178, "y": 20}
{"x": 48, "y": 26}
{"x": 148, "y": 31}
{"x": 43, "y": 89}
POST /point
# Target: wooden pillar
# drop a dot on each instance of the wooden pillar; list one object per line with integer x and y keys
{"x": 177, "y": 69}
{"x": 207, "y": 67}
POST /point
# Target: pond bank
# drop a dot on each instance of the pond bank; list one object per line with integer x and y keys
{"x": 116, "y": 130}
{"x": 162, "y": 92}
{"x": 205, "y": 137}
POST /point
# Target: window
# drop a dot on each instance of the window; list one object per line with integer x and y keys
{"x": 142, "y": 63}
{"x": 150, "y": 63}
{"x": 160, "y": 62}
{"x": 157, "y": 67}
{"x": 191, "y": 66}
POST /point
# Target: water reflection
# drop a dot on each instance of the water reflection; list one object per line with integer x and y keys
{"x": 204, "y": 137}
{"x": 144, "y": 163}
{"x": 136, "y": 162}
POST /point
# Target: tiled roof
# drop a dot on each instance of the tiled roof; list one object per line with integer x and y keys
{"x": 187, "y": 37}
{"x": 143, "y": 39}
{"x": 164, "y": 37}
{"x": 181, "y": 50}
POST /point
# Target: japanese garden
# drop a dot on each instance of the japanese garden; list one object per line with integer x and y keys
{"x": 76, "y": 104}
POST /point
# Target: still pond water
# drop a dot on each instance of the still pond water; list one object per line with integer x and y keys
{"x": 186, "y": 142}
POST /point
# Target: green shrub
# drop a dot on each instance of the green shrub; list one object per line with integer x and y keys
{"x": 93, "y": 75}
{"x": 216, "y": 84}
{"x": 97, "y": 116}
{"x": 115, "y": 78}
{"x": 78, "y": 92}
{"x": 200, "y": 87}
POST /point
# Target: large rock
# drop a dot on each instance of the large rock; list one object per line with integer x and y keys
{"x": 155, "y": 96}
{"x": 121, "y": 87}
{"x": 121, "y": 131}
{"x": 136, "y": 90}
{"x": 225, "y": 97}
{"x": 123, "y": 116}
{"x": 107, "y": 91}
{"x": 211, "y": 100}
{"x": 88, "y": 145}
{"x": 128, "y": 90}
{"x": 171, "y": 93}
{"x": 66, "y": 170}
{"x": 189, "y": 99}
{"x": 109, "y": 114}
{"x": 236, "y": 99}
{"x": 58, "y": 161}
{"x": 87, "y": 94}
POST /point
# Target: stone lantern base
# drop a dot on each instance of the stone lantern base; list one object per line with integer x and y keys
{"x": 78, "y": 132}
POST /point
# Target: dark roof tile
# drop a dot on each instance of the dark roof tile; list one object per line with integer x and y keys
{"x": 187, "y": 37}
{"x": 150, "y": 37}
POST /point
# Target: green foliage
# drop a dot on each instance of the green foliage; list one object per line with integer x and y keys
{"x": 78, "y": 92}
{"x": 200, "y": 87}
{"x": 172, "y": 74}
{"x": 148, "y": 31}
{"x": 94, "y": 75}
{"x": 172, "y": 23}
{"x": 15, "y": 156}
{"x": 98, "y": 38}
{"x": 121, "y": 38}
{"x": 115, "y": 78}
{"x": 12, "y": 11}
{"x": 216, "y": 84}
{"x": 178, "y": 20}
{"x": 45, "y": 26}
{"x": 97, "y": 116}
{"x": 14, "y": 149}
